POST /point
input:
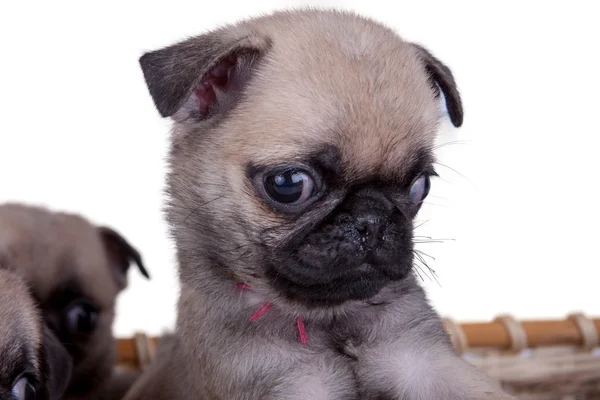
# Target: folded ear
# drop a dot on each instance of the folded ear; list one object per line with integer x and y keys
{"x": 202, "y": 75}
{"x": 58, "y": 366}
{"x": 442, "y": 79}
{"x": 120, "y": 255}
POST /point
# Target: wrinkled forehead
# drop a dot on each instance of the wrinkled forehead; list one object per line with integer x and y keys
{"x": 376, "y": 108}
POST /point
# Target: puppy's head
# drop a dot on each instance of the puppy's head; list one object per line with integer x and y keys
{"x": 302, "y": 151}
{"x": 75, "y": 271}
{"x": 34, "y": 366}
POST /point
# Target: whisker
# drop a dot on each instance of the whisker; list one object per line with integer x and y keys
{"x": 451, "y": 143}
{"x": 431, "y": 270}
{"x": 435, "y": 240}
{"x": 428, "y": 241}
{"x": 418, "y": 273}
{"x": 418, "y": 259}
{"x": 420, "y": 225}
{"x": 200, "y": 206}
{"x": 455, "y": 171}
{"x": 422, "y": 253}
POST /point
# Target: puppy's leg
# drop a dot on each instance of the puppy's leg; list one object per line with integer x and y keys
{"x": 281, "y": 373}
{"x": 315, "y": 380}
{"x": 401, "y": 372}
{"x": 409, "y": 356}
{"x": 299, "y": 383}
{"x": 249, "y": 372}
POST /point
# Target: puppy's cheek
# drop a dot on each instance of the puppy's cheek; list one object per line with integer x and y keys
{"x": 243, "y": 211}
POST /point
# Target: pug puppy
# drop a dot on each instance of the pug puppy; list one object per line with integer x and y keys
{"x": 33, "y": 363}
{"x": 76, "y": 271}
{"x": 302, "y": 149}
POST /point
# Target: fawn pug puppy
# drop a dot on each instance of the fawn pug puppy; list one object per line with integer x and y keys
{"x": 302, "y": 149}
{"x": 75, "y": 271}
{"x": 33, "y": 363}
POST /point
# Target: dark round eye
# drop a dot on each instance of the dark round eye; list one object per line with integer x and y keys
{"x": 23, "y": 389}
{"x": 290, "y": 187}
{"x": 420, "y": 189}
{"x": 81, "y": 317}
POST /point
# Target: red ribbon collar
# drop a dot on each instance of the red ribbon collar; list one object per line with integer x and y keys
{"x": 267, "y": 306}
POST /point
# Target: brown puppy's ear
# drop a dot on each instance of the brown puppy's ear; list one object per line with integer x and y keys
{"x": 201, "y": 75}
{"x": 442, "y": 79}
{"x": 57, "y": 364}
{"x": 120, "y": 255}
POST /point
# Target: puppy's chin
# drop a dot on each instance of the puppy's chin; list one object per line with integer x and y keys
{"x": 360, "y": 284}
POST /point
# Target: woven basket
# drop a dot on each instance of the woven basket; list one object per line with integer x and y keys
{"x": 549, "y": 360}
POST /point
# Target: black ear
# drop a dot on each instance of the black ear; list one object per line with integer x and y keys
{"x": 442, "y": 79}
{"x": 57, "y": 364}
{"x": 199, "y": 72}
{"x": 120, "y": 255}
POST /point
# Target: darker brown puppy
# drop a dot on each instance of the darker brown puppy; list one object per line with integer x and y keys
{"x": 76, "y": 271}
{"x": 33, "y": 363}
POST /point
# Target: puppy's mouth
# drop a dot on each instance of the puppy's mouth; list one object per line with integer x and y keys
{"x": 362, "y": 283}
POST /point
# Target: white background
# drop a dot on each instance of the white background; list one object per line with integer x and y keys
{"x": 79, "y": 132}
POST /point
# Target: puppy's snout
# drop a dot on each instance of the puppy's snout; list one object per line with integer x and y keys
{"x": 369, "y": 225}
{"x": 370, "y": 211}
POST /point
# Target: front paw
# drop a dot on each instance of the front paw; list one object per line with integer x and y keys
{"x": 404, "y": 374}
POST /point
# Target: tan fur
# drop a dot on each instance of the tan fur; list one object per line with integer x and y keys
{"x": 50, "y": 250}
{"x": 304, "y": 81}
{"x": 46, "y": 247}
{"x": 365, "y": 108}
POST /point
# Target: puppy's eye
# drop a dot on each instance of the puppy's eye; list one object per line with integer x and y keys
{"x": 81, "y": 317}
{"x": 23, "y": 389}
{"x": 290, "y": 187}
{"x": 420, "y": 189}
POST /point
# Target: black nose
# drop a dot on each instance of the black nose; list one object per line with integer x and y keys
{"x": 368, "y": 225}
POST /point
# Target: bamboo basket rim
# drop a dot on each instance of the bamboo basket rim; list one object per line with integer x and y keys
{"x": 466, "y": 336}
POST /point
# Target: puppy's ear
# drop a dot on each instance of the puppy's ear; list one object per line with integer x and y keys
{"x": 202, "y": 75}
{"x": 58, "y": 366}
{"x": 120, "y": 255}
{"x": 442, "y": 79}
